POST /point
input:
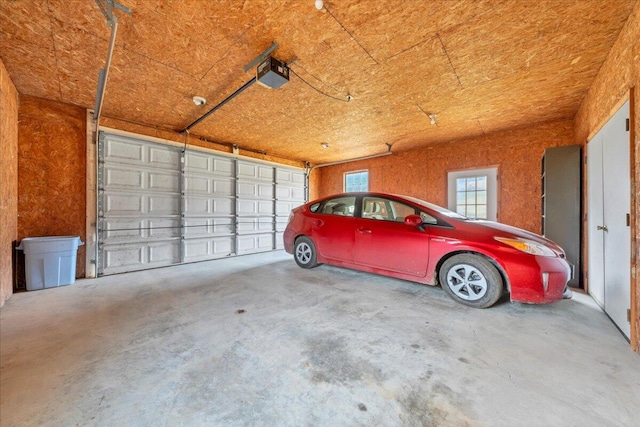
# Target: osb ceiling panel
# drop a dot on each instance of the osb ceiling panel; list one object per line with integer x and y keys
{"x": 480, "y": 65}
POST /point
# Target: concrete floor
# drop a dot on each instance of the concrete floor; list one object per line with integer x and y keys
{"x": 257, "y": 341}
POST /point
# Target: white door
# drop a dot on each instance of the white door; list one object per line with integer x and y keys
{"x": 617, "y": 207}
{"x": 595, "y": 219}
{"x": 615, "y": 287}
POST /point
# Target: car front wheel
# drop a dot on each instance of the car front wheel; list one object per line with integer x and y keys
{"x": 471, "y": 280}
{"x": 304, "y": 252}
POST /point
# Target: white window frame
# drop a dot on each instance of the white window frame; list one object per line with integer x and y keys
{"x": 344, "y": 179}
{"x": 492, "y": 188}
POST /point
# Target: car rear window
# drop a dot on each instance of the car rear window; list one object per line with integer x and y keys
{"x": 344, "y": 206}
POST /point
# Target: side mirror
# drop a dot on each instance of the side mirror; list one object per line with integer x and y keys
{"x": 413, "y": 220}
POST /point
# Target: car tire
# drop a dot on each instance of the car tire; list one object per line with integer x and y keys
{"x": 471, "y": 280}
{"x": 304, "y": 252}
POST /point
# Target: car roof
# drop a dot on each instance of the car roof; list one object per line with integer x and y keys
{"x": 419, "y": 202}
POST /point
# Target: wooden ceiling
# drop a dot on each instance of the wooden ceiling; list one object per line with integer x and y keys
{"x": 481, "y": 66}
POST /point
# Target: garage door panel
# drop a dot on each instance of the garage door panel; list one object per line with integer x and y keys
{"x": 124, "y": 256}
{"x": 197, "y": 184}
{"x": 164, "y": 157}
{"x": 207, "y": 206}
{"x": 164, "y": 252}
{"x": 223, "y": 167}
{"x": 281, "y": 224}
{"x": 201, "y": 227}
{"x": 127, "y": 230}
{"x": 255, "y": 243}
{"x": 163, "y": 204}
{"x": 255, "y": 190}
{"x": 279, "y": 240}
{"x": 289, "y": 177}
{"x": 284, "y": 208}
{"x": 163, "y": 228}
{"x": 255, "y": 171}
{"x": 163, "y": 181}
{"x": 116, "y": 230}
{"x": 124, "y": 179}
{"x": 209, "y": 248}
{"x": 135, "y": 204}
{"x": 208, "y": 164}
{"x": 128, "y": 151}
{"x": 255, "y": 225}
{"x": 124, "y": 204}
{"x": 124, "y": 151}
{"x": 208, "y": 184}
{"x": 156, "y": 210}
{"x": 290, "y": 193}
{"x": 197, "y": 162}
{"x": 139, "y": 256}
{"x": 254, "y": 207}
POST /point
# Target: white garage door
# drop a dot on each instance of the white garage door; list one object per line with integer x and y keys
{"x": 159, "y": 205}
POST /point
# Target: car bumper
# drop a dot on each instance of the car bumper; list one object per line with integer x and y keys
{"x": 538, "y": 280}
{"x": 288, "y": 239}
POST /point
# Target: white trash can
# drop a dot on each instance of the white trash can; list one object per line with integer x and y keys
{"x": 50, "y": 261}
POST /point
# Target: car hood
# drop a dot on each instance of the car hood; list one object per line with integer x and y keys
{"x": 503, "y": 230}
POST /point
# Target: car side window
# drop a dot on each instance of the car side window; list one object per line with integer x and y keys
{"x": 385, "y": 209}
{"x": 343, "y": 206}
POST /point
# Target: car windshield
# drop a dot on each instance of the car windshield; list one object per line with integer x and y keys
{"x": 439, "y": 209}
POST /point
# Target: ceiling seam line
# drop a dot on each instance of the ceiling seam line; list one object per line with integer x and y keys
{"x": 351, "y": 35}
{"x": 55, "y": 52}
{"x": 480, "y": 125}
{"x": 317, "y": 78}
{"x": 470, "y": 18}
{"x": 224, "y": 55}
{"x": 449, "y": 58}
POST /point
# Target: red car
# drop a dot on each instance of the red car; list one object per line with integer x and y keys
{"x": 403, "y": 237}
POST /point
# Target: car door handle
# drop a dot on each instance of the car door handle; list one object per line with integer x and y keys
{"x": 318, "y": 223}
{"x": 364, "y": 230}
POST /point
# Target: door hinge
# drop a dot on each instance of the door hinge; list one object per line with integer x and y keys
{"x": 628, "y": 220}
{"x": 629, "y": 315}
{"x": 627, "y": 125}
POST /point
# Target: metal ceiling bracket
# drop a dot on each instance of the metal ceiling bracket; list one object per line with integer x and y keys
{"x": 112, "y": 22}
{"x": 339, "y": 162}
{"x": 107, "y": 10}
{"x": 258, "y": 59}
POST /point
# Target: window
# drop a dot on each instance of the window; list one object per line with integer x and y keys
{"x": 385, "y": 209}
{"x": 473, "y": 193}
{"x": 344, "y": 206}
{"x": 356, "y": 181}
{"x": 471, "y": 197}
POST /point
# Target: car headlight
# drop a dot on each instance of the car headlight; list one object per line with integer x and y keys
{"x": 528, "y": 246}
